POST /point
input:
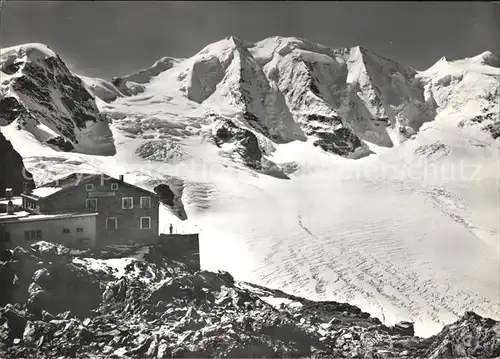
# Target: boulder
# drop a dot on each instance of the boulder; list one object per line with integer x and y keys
{"x": 14, "y": 320}
{"x": 42, "y": 278}
{"x": 470, "y": 336}
{"x": 61, "y": 143}
{"x": 404, "y": 328}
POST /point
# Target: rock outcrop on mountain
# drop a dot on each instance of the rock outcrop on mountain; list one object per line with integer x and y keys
{"x": 225, "y": 75}
{"x": 470, "y": 336}
{"x": 245, "y": 142}
{"x": 56, "y": 304}
{"x": 43, "y": 97}
{"x": 171, "y": 199}
{"x": 13, "y": 173}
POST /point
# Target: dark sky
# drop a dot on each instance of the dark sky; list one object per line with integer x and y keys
{"x": 114, "y": 38}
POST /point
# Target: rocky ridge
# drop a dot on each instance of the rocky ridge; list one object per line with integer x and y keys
{"x": 60, "y": 303}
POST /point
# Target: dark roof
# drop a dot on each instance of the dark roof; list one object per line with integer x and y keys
{"x": 76, "y": 179}
{"x": 70, "y": 180}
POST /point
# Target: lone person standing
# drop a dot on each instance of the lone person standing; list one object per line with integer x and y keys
{"x": 171, "y": 228}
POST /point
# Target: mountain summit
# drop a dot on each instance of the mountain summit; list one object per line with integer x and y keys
{"x": 43, "y": 97}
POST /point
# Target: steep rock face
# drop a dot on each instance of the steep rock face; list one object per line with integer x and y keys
{"x": 312, "y": 80}
{"x": 206, "y": 69}
{"x": 390, "y": 92}
{"x": 225, "y": 75}
{"x": 370, "y": 94}
{"x": 10, "y": 110}
{"x": 49, "y": 101}
{"x": 245, "y": 142}
{"x": 305, "y": 74}
{"x": 13, "y": 174}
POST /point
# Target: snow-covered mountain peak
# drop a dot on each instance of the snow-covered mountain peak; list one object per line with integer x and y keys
{"x": 144, "y": 76}
{"x": 263, "y": 51}
{"x": 28, "y": 52}
{"x": 485, "y": 63}
{"x": 222, "y": 49}
{"x": 487, "y": 58}
{"x": 40, "y": 95}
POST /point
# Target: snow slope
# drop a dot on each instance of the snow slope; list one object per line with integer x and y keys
{"x": 409, "y": 231}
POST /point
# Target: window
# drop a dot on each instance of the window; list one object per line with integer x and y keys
{"x": 145, "y": 202}
{"x": 114, "y": 186}
{"x": 111, "y": 223}
{"x": 91, "y": 204}
{"x": 89, "y": 187}
{"x": 79, "y": 230}
{"x": 127, "y": 202}
{"x": 66, "y": 230}
{"x": 145, "y": 222}
{"x": 32, "y": 235}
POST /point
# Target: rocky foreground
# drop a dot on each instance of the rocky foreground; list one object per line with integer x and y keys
{"x": 58, "y": 303}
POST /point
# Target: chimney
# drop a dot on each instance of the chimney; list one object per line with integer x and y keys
{"x": 8, "y": 193}
{"x": 121, "y": 178}
{"x": 10, "y": 208}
